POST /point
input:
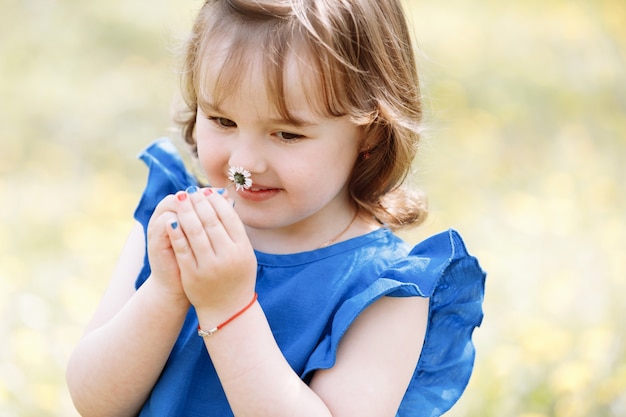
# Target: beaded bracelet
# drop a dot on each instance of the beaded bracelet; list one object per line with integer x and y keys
{"x": 205, "y": 333}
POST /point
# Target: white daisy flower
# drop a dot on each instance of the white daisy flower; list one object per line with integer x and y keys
{"x": 240, "y": 178}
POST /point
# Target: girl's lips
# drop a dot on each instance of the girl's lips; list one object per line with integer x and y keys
{"x": 257, "y": 194}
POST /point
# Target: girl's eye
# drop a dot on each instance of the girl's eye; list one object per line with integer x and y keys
{"x": 289, "y": 136}
{"x": 222, "y": 121}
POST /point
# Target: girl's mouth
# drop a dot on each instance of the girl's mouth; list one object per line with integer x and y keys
{"x": 258, "y": 194}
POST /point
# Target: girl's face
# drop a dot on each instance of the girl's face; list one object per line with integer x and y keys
{"x": 300, "y": 171}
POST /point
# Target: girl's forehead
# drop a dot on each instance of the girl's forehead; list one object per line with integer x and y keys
{"x": 244, "y": 72}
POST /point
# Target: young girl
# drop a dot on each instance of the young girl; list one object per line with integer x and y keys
{"x": 288, "y": 294}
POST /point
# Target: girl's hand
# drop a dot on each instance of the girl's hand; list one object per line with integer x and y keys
{"x": 215, "y": 257}
{"x": 161, "y": 255}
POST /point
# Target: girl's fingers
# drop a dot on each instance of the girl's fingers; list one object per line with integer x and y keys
{"x": 229, "y": 219}
{"x": 214, "y": 226}
{"x": 179, "y": 243}
{"x": 190, "y": 227}
{"x": 167, "y": 204}
{"x": 206, "y": 223}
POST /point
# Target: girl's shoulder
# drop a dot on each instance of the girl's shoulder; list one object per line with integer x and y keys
{"x": 439, "y": 268}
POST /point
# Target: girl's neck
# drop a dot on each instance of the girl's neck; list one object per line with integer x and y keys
{"x": 302, "y": 239}
{"x": 343, "y": 232}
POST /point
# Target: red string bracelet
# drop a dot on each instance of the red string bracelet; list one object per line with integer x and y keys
{"x": 205, "y": 333}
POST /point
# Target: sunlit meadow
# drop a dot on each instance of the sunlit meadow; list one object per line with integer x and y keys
{"x": 525, "y": 154}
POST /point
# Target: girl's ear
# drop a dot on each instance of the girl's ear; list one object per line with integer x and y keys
{"x": 365, "y": 154}
{"x": 373, "y": 135}
{"x": 369, "y": 142}
{"x": 366, "y": 146}
{"x": 366, "y": 149}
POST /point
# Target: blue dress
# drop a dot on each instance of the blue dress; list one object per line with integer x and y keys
{"x": 333, "y": 285}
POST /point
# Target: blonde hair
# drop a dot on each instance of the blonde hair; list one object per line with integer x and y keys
{"x": 361, "y": 52}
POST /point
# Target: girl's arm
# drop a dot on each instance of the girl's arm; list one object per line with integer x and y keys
{"x": 375, "y": 362}
{"x": 376, "y": 359}
{"x": 118, "y": 360}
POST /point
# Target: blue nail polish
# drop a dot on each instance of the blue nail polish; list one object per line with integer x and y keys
{"x": 174, "y": 225}
{"x": 221, "y": 191}
{"x": 191, "y": 189}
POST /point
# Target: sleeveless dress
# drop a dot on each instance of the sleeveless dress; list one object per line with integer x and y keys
{"x": 311, "y": 298}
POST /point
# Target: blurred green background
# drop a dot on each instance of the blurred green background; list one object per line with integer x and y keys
{"x": 525, "y": 154}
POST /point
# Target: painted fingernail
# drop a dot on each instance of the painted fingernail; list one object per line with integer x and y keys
{"x": 191, "y": 189}
{"x": 221, "y": 191}
{"x": 181, "y": 196}
{"x": 207, "y": 192}
{"x": 174, "y": 224}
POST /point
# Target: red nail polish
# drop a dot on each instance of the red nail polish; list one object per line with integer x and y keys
{"x": 181, "y": 196}
{"x": 207, "y": 192}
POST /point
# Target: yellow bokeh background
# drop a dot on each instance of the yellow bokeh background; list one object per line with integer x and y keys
{"x": 524, "y": 154}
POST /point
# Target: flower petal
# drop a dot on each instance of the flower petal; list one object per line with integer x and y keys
{"x": 240, "y": 177}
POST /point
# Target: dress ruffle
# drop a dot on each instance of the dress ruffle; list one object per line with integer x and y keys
{"x": 440, "y": 268}
{"x": 167, "y": 175}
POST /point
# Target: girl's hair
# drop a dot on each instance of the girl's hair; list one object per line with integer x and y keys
{"x": 361, "y": 52}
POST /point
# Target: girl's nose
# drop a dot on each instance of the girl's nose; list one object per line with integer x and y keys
{"x": 248, "y": 153}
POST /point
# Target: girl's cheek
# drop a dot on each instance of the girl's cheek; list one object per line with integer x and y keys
{"x": 214, "y": 170}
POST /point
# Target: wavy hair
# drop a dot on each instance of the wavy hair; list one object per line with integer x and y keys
{"x": 362, "y": 53}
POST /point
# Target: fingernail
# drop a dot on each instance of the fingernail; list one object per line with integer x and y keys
{"x": 191, "y": 189}
{"x": 207, "y": 192}
{"x": 181, "y": 196}
{"x": 174, "y": 224}
{"x": 221, "y": 191}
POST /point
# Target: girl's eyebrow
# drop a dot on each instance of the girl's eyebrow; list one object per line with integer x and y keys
{"x": 292, "y": 119}
{"x": 206, "y": 105}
